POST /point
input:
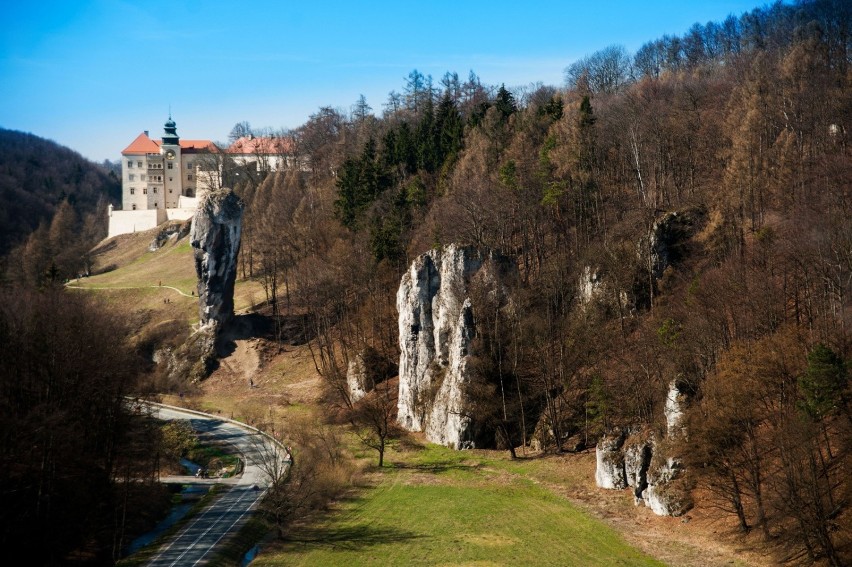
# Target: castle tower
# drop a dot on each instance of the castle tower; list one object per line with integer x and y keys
{"x": 171, "y": 152}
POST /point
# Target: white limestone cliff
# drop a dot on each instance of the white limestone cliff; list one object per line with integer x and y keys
{"x": 436, "y": 327}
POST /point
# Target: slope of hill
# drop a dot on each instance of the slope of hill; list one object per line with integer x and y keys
{"x": 154, "y": 290}
{"x": 412, "y": 507}
{"x": 37, "y": 175}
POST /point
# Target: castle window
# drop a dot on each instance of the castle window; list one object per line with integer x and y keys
{"x": 170, "y": 165}
{"x": 142, "y": 177}
{"x": 132, "y": 191}
{"x": 189, "y": 177}
{"x": 138, "y": 164}
{"x": 129, "y": 163}
{"x": 155, "y": 190}
{"x": 145, "y": 191}
{"x": 134, "y": 206}
{"x": 131, "y": 177}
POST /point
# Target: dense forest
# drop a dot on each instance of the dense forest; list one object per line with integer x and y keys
{"x": 53, "y": 206}
{"x": 78, "y": 471}
{"x": 728, "y": 143}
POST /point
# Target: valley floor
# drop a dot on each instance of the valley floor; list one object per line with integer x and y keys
{"x": 434, "y": 506}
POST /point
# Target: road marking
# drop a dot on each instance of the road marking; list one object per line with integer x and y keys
{"x": 228, "y": 530}
{"x": 218, "y": 519}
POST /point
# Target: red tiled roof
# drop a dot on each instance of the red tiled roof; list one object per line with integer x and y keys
{"x": 261, "y": 145}
{"x": 145, "y": 145}
{"x": 193, "y": 146}
{"x": 141, "y": 145}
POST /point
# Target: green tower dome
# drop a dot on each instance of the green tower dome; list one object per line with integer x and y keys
{"x": 170, "y": 136}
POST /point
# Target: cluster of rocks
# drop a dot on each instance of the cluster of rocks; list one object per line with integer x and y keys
{"x": 637, "y": 459}
{"x": 172, "y": 231}
{"x": 436, "y": 327}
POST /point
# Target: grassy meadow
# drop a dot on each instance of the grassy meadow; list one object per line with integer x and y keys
{"x": 434, "y": 506}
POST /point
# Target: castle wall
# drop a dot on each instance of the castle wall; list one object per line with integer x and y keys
{"x": 134, "y": 170}
{"x": 180, "y": 214}
{"x": 125, "y": 222}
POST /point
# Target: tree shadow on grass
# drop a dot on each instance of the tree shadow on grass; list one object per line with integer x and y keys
{"x": 438, "y": 467}
{"x": 348, "y": 538}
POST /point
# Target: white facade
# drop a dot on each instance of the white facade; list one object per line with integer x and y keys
{"x": 159, "y": 181}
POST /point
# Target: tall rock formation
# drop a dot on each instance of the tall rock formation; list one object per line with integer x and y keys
{"x": 215, "y": 235}
{"x": 436, "y": 327}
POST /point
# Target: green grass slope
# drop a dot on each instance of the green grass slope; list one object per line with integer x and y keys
{"x": 155, "y": 291}
{"x": 137, "y": 277}
{"x": 440, "y": 507}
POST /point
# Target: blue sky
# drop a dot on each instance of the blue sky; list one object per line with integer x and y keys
{"x": 91, "y": 75}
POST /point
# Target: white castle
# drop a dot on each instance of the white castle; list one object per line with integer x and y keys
{"x": 163, "y": 180}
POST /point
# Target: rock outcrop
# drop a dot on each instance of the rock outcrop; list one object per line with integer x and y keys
{"x": 436, "y": 327}
{"x": 609, "y": 472}
{"x": 195, "y": 359}
{"x": 637, "y": 459}
{"x": 674, "y": 409}
{"x": 669, "y": 237}
{"x": 172, "y": 231}
{"x": 668, "y": 493}
{"x": 356, "y": 379}
{"x": 366, "y": 370}
{"x": 640, "y": 461}
{"x": 215, "y": 235}
{"x": 649, "y": 465}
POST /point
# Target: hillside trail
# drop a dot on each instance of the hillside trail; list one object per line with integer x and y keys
{"x": 244, "y": 361}
{"x": 69, "y": 286}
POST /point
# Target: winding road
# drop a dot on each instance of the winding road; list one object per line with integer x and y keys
{"x": 197, "y": 541}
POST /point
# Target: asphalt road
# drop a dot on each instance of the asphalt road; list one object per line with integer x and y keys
{"x": 197, "y": 541}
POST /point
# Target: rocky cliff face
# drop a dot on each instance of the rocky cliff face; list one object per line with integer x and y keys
{"x": 215, "y": 235}
{"x": 668, "y": 239}
{"x": 436, "y": 327}
{"x": 639, "y": 460}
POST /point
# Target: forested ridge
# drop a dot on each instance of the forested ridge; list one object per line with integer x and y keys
{"x": 53, "y": 205}
{"x": 681, "y": 214}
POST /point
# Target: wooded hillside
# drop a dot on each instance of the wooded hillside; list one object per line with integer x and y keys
{"x": 47, "y": 188}
{"x": 680, "y": 214}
